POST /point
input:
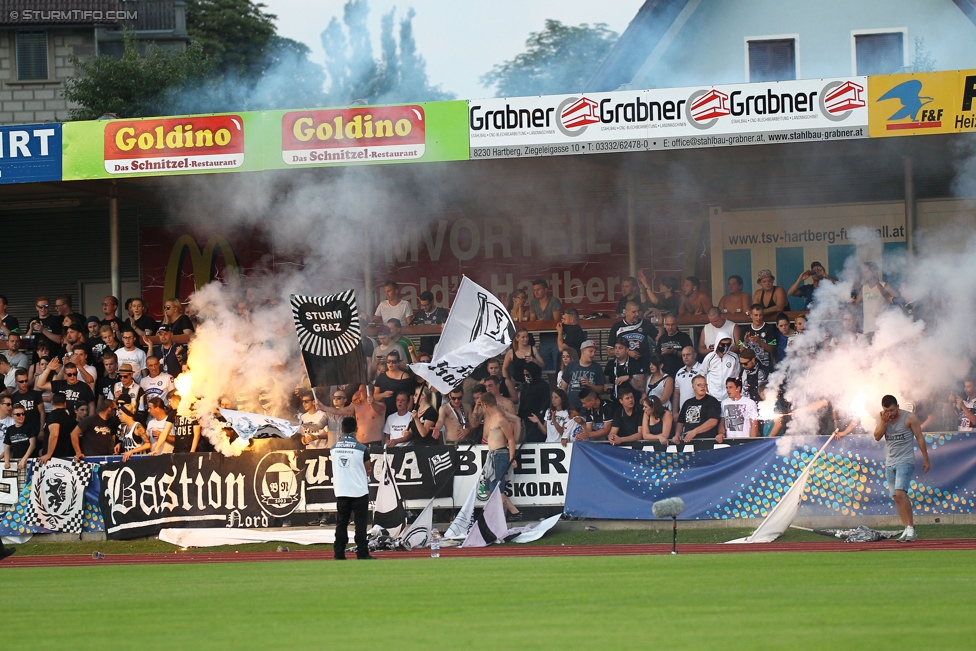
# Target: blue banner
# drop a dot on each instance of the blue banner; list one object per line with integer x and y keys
{"x": 30, "y": 153}
{"x": 746, "y": 481}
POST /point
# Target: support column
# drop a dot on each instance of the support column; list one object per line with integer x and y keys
{"x": 113, "y": 235}
{"x": 631, "y": 227}
{"x": 909, "y": 205}
{"x": 369, "y": 300}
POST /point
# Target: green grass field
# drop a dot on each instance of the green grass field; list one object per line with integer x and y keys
{"x": 904, "y": 599}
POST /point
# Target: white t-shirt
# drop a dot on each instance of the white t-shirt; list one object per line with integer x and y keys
{"x": 872, "y": 302}
{"x": 137, "y": 358}
{"x": 154, "y": 428}
{"x": 400, "y": 311}
{"x": 682, "y": 382}
{"x": 157, "y": 387}
{"x": 552, "y": 434}
{"x": 396, "y": 425}
{"x": 319, "y": 419}
{"x": 739, "y": 416}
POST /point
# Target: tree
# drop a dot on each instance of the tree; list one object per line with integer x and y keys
{"x": 235, "y": 34}
{"x": 133, "y": 86}
{"x": 354, "y": 75}
{"x": 235, "y": 62}
{"x": 559, "y": 59}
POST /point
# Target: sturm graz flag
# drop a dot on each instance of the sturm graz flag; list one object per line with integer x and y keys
{"x": 331, "y": 341}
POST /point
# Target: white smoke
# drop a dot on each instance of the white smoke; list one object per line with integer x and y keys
{"x": 917, "y": 360}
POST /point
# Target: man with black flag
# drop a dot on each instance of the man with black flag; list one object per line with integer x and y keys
{"x": 350, "y": 479}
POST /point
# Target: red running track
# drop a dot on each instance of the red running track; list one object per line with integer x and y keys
{"x": 494, "y": 551}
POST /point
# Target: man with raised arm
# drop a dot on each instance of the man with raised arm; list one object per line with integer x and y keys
{"x": 901, "y": 430}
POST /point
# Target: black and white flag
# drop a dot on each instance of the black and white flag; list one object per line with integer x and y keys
{"x": 388, "y": 511}
{"x": 330, "y": 338}
{"x": 57, "y": 497}
{"x": 490, "y": 526}
{"x": 477, "y": 328}
{"x": 418, "y": 534}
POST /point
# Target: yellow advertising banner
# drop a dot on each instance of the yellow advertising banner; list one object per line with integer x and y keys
{"x": 922, "y": 103}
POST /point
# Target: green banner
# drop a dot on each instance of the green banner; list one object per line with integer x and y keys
{"x": 254, "y": 141}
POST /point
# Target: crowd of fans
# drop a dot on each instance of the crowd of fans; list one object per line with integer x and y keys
{"x": 105, "y": 385}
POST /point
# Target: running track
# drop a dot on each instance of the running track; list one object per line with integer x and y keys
{"x": 495, "y": 551}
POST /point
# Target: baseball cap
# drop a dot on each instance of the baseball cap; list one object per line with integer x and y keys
{"x": 76, "y": 327}
{"x": 163, "y": 328}
{"x": 589, "y": 343}
{"x": 92, "y": 319}
{"x": 815, "y": 264}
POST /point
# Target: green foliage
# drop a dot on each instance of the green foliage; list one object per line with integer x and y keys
{"x": 559, "y": 59}
{"x": 400, "y": 75}
{"x": 236, "y": 34}
{"x": 135, "y": 85}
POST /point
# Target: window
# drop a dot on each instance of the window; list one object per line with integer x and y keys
{"x": 772, "y": 60}
{"x": 879, "y": 54}
{"x": 31, "y": 55}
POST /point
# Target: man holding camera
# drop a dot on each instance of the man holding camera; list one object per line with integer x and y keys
{"x": 815, "y": 273}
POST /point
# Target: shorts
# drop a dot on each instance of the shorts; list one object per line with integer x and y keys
{"x": 500, "y": 463}
{"x": 899, "y": 476}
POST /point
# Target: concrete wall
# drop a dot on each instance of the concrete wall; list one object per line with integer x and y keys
{"x": 24, "y": 102}
{"x": 711, "y": 46}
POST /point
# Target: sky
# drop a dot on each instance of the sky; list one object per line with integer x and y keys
{"x": 460, "y": 39}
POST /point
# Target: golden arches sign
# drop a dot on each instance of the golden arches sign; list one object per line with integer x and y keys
{"x": 201, "y": 262}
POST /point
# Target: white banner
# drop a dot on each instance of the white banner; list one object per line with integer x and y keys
{"x": 669, "y": 118}
{"x": 477, "y": 328}
{"x": 539, "y": 480}
{"x": 248, "y": 425}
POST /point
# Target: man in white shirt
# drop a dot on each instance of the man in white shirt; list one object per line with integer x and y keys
{"x": 157, "y": 384}
{"x": 397, "y": 431}
{"x": 393, "y": 307}
{"x": 129, "y": 354}
{"x": 350, "y": 469}
{"x": 315, "y": 434}
{"x": 682, "y": 379}
{"x": 740, "y": 415}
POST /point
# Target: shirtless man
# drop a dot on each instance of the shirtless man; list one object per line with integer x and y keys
{"x": 493, "y": 384}
{"x": 500, "y": 434}
{"x": 452, "y": 418}
{"x": 370, "y": 415}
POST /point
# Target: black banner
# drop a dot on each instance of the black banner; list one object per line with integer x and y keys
{"x": 254, "y": 490}
{"x": 330, "y": 338}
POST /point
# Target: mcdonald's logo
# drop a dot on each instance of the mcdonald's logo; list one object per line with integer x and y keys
{"x": 203, "y": 263}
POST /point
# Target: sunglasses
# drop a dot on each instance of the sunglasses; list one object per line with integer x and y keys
{"x": 71, "y": 375}
{"x": 21, "y": 381}
{"x": 307, "y": 402}
{"x": 125, "y": 374}
{"x": 455, "y": 399}
{"x": 19, "y": 414}
{"x": 43, "y": 307}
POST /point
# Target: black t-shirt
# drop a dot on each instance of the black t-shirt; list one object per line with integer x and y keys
{"x": 182, "y": 326}
{"x": 98, "y": 436}
{"x": 11, "y": 323}
{"x": 628, "y": 425}
{"x": 614, "y": 370}
{"x": 385, "y": 383}
{"x": 30, "y": 399}
{"x": 574, "y": 336}
{"x": 767, "y": 333}
{"x": 66, "y": 423}
{"x": 436, "y": 317}
{"x": 78, "y": 393}
{"x": 675, "y": 342}
{"x": 598, "y": 416}
{"x": 168, "y": 361}
{"x": 18, "y": 440}
{"x": 752, "y": 379}
{"x": 622, "y": 303}
{"x": 640, "y": 336}
{"x": 147, "y": 323}
{"x": 429, "y": 416}
{"x": 52, "y": 323}
{"x": 183, "y": 431}
{"x": 695, "y": 412}
{"x": 105, "y": 386}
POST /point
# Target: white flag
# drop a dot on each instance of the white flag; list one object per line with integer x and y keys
{"x": 248, "y": 425}
{"x": 781, "y": 517}
{"x": 490, "y": 526}
{"x": 477, "y": 328}
{"x": 418, "y": 535}
{"x": 464, "y": 520}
